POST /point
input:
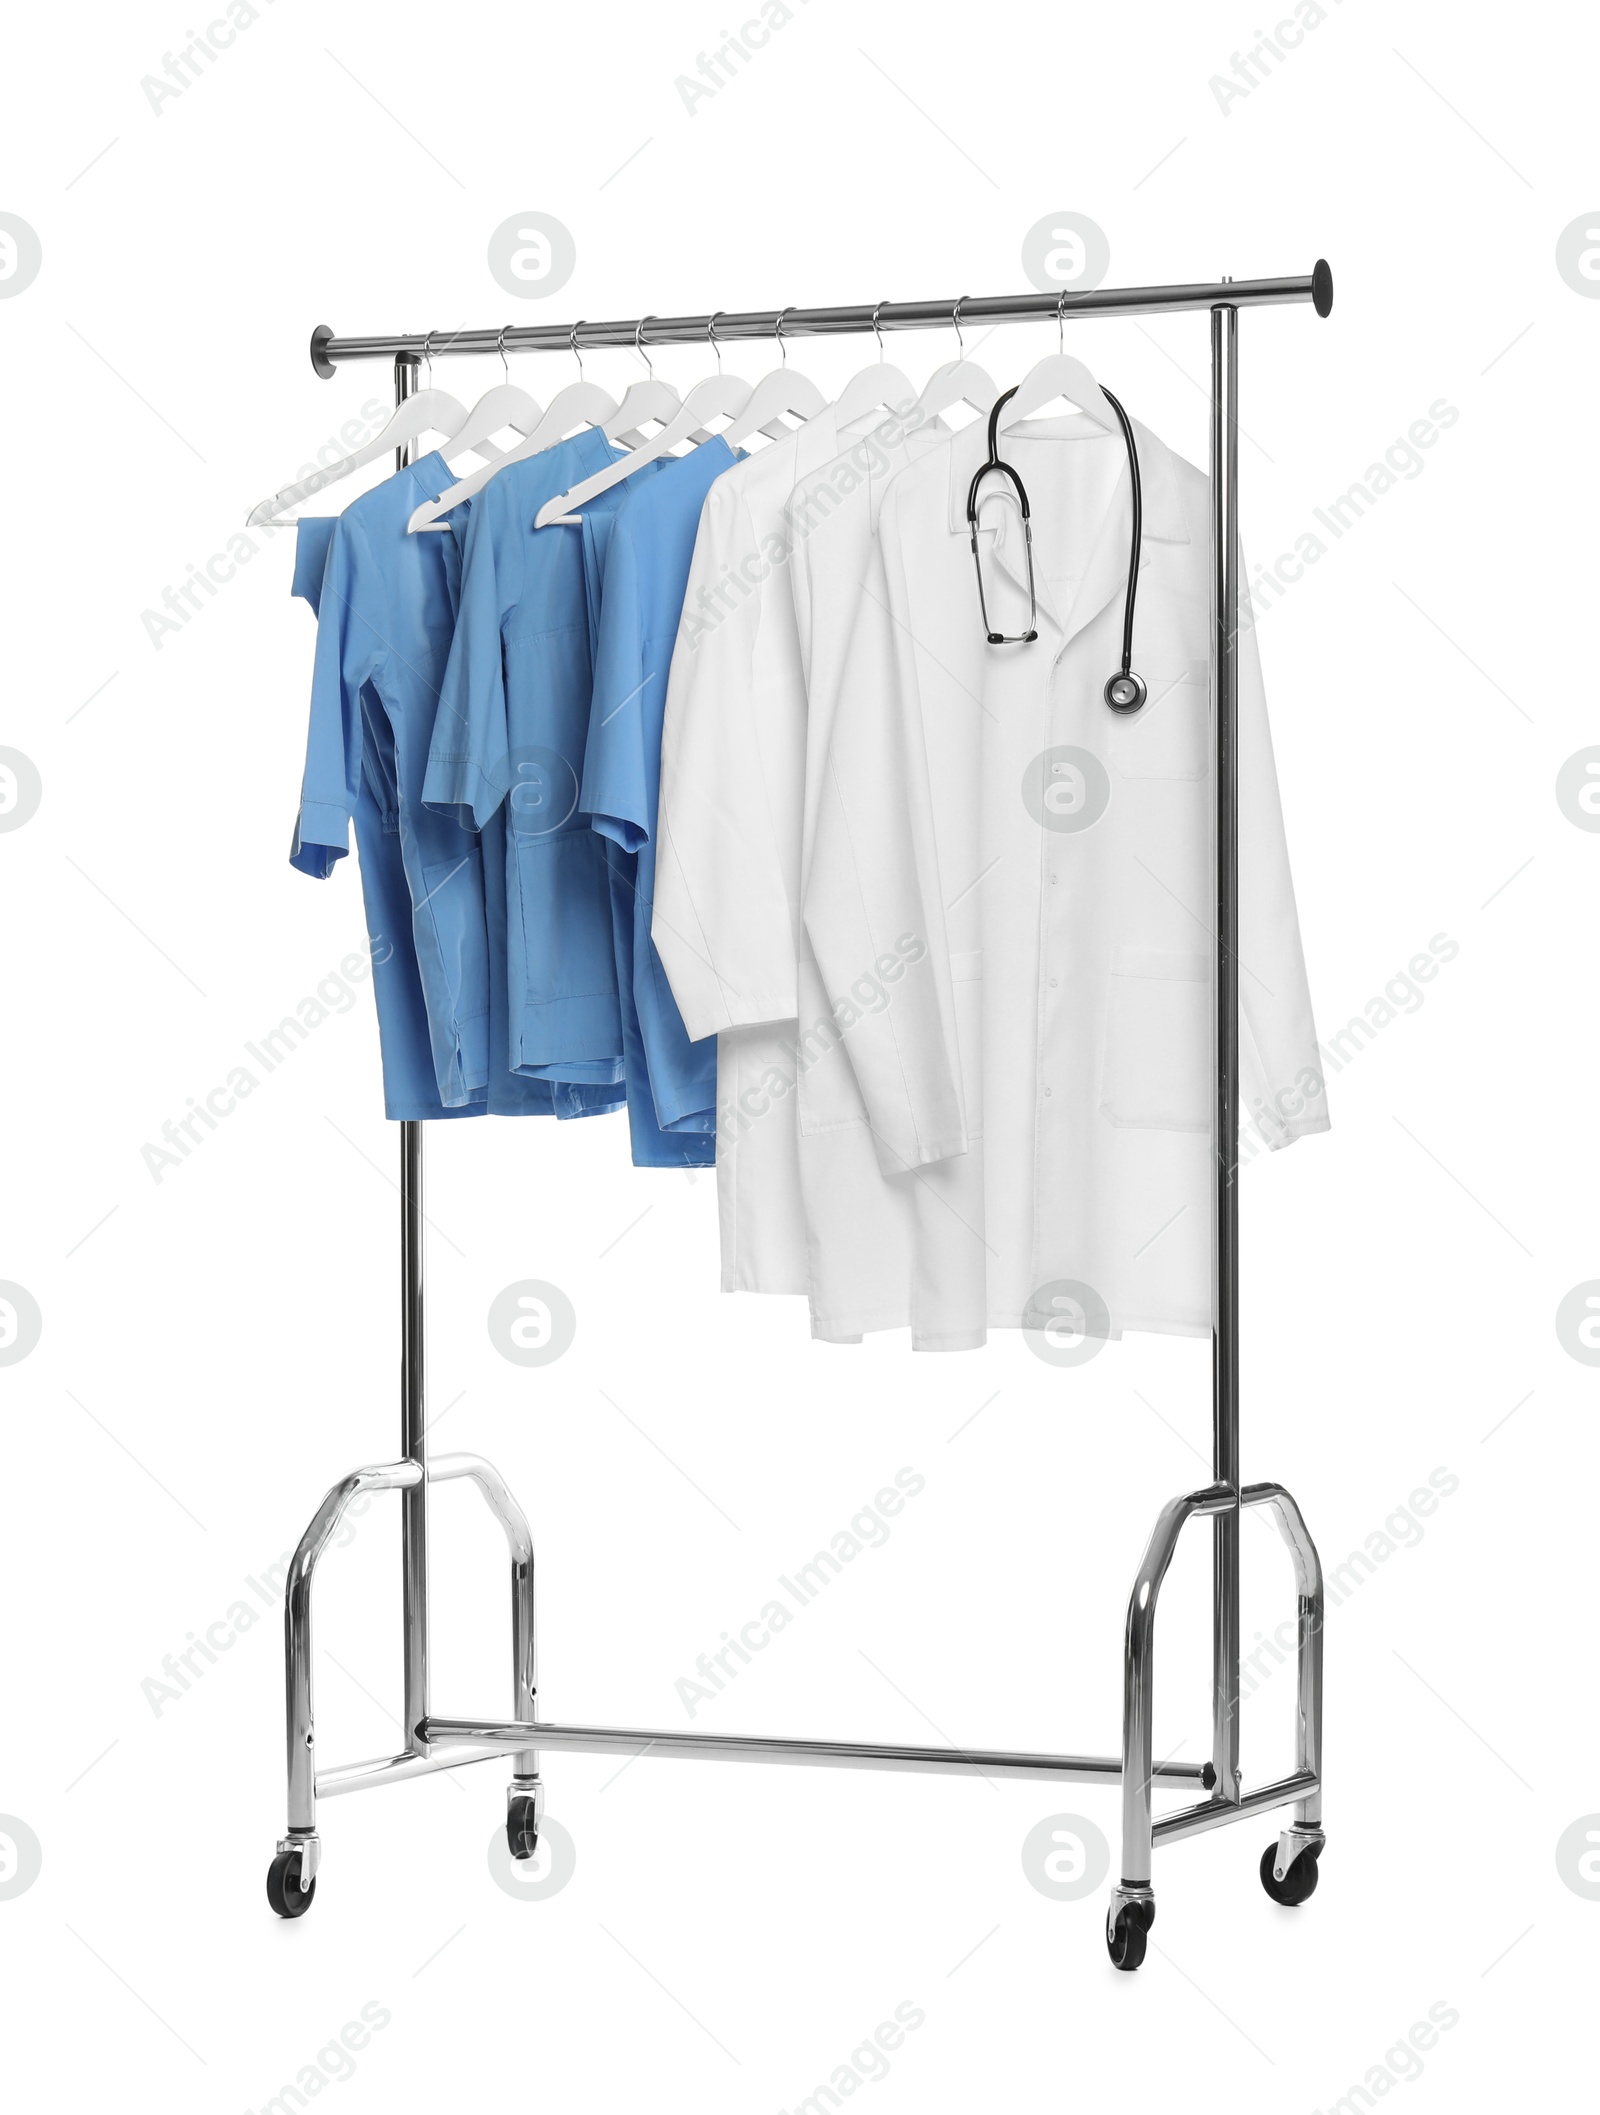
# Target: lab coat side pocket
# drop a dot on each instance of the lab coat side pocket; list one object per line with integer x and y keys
{"x": 1155, "y": 1072}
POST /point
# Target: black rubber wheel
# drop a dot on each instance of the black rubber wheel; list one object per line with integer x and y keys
{"x": 284, "y": 1892}
{"x": 1298, "y": 1884}
{"x": 1125, "y": 1938}
{"x": 522, "y": 1834}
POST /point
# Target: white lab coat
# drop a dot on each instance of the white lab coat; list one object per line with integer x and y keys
{"x": 727, "y": 922}
{"x": 1020, "y": 882}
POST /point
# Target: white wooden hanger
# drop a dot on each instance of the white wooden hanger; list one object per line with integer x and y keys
{"x": 959, "y": 381}
{"x": 784, "y": 391}
{"x": 1058, "y": 374}
{"x": 428, "y": 411}
{"x": 718, "y": 396}
{"x": 504, "y": 405}
{"x": 643, "y": 402}
{"x": 879, "y": 384}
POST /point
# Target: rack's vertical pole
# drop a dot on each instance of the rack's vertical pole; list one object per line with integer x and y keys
{"x": 413, "y": 1392}
{"x": 1225, "y": 1024}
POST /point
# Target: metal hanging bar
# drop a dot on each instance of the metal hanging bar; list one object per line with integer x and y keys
{"x": 440, "y": 1743}
{"x": 635, "y": 332}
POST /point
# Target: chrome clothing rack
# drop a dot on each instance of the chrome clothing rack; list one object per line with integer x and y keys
{"x": 1289, "y": 1864}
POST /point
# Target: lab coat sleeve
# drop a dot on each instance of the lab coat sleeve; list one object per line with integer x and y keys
{"x": 468, "y": 757}
{"x": 350, "y": 650}
{"x": 615, "y": 793}
{"x": 1284, "y": 1089}
{"x": 874, "y": 907}
{"x": 723, "y": 923}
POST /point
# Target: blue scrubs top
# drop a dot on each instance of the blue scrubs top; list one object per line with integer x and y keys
{"x": 386, "y": 615}
{"x": 410, "y": 1090}
{"x": 383, "y": 632}
{"x": 506, "y": 756}
{"x": 638, "y": 564}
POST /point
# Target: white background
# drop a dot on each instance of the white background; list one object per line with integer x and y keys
{"x": 218, "y": 1347}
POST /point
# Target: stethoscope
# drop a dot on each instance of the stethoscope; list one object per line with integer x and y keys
{"x": 1124, "y": 692}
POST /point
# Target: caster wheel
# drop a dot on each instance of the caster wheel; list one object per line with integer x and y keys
{"x": 284, "y": 1892}
{"x": 522, "y": 1828}
{"x": 1298, "y": 1884}
{"x": 1126, "y": 1935}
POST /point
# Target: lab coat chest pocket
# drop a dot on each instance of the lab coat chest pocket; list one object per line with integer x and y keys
{"x": 1156, "y": 1066}
{"x": 1170, "y": 735}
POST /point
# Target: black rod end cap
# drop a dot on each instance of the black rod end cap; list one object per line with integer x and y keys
{"x": 1322, "y": 286}
{"x": 320, "y": 339}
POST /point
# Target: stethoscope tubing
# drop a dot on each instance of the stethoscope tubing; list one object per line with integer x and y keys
{"x": 1125, "y": 691}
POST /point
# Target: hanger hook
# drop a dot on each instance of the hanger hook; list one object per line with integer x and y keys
{"x": 500, "y": 348}
{"x": 427, "y": 354}
{"x": 783, "y": 350}
{"x": 878, "y": 334}
{"x": 638, "y": 345}
{"x": 1061, "y": 332}
{"x": 572, "y": 343}
{"x": 956, "y": 320}
{"x": 711, "y": 333}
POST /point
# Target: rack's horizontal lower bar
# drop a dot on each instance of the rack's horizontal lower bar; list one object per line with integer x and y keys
{"x": 389, "y": 1769}
{"x": 827, "y": 1754}
{"x": 1218, "y": 1813}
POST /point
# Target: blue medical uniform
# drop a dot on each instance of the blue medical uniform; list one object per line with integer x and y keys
{"x": 410, "y": 1090}
{"x": 638, "y": 565}
{"x": 383, "y": 633}
{"x": 386, "y": 609}
{"x": 507, "y": 753}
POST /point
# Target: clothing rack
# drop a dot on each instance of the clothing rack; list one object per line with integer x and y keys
{"x": 1289, "y": 1864}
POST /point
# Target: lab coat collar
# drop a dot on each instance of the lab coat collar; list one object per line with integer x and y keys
{"x": 1004, "y": 551}
{"x": 816, "y": 442}
{"x": 822, "y": 439}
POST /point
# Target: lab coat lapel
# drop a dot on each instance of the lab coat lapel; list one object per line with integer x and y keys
{"x": 1106, "y": 578}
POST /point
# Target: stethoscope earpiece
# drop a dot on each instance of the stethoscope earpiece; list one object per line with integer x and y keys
{"x": 1125, "y": 692}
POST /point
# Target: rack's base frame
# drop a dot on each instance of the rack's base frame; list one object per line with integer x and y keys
{"x": 449, "y": 1744}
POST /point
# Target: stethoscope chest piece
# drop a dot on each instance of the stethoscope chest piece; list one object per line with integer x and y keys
{"x": 1125, "y": 692}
